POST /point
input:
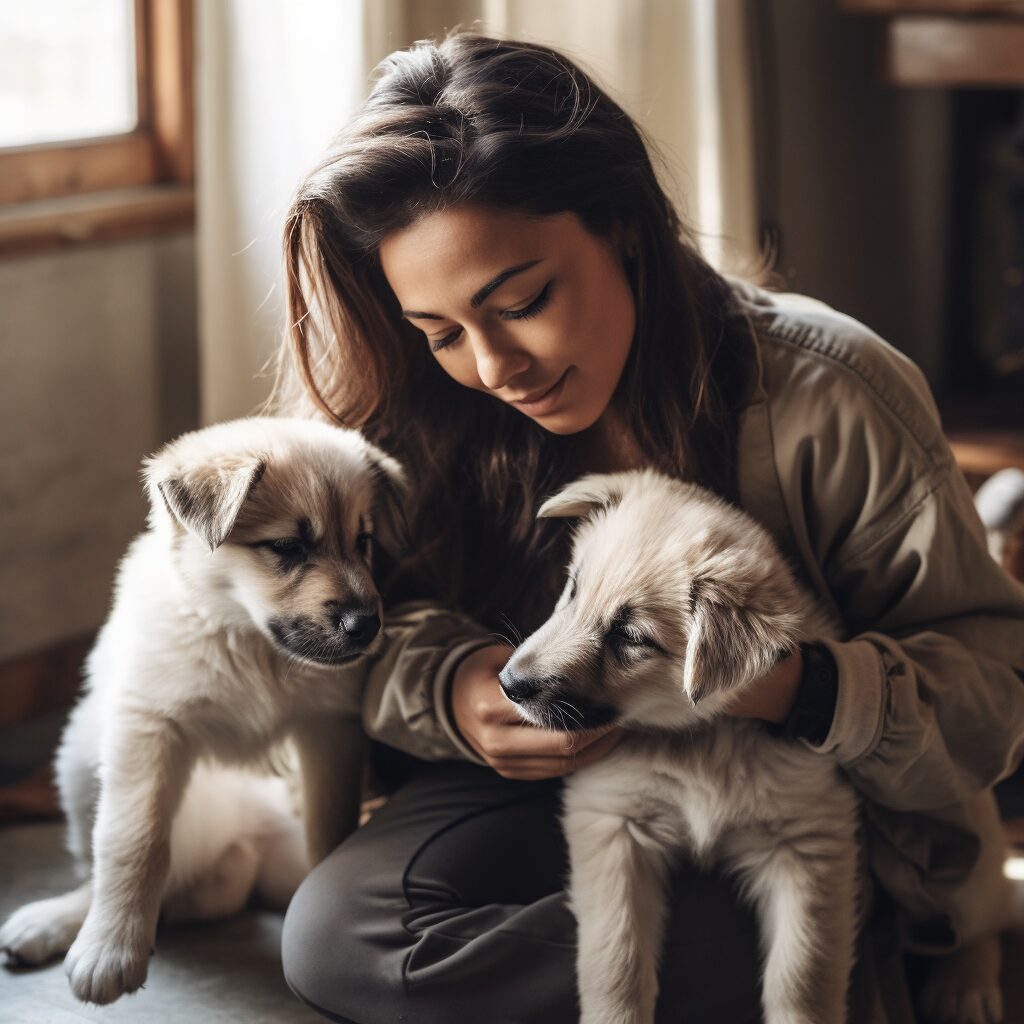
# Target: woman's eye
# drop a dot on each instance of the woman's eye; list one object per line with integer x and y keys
{"x": 509, "y": 314}
{"x": 436, "y": 346}
{"x": 532, "y": 309}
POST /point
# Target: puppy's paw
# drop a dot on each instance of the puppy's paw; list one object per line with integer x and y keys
{"x": 104, "y": 963}
{"x": 42, "y": 930}
{"x": 945, "y": 1003}
{"x": 963, "y": 986}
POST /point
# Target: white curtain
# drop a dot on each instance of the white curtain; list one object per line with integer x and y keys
{"x": 275, "y": 81}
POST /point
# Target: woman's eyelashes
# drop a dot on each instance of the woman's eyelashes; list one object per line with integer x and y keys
{"x": 526, "y": 313}
{"x": 532, "y": 309}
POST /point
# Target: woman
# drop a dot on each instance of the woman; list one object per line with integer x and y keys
{"x": 486, "y": 278}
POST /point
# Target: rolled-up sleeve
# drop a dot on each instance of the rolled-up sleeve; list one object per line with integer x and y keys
{"x": 405, "y": 695}
{"x": 930, "y": 699}
{"x": 930, "y": 705}
{"x": 844, "y": 459}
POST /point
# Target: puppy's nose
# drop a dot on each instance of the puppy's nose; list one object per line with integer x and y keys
{"x": 361, "y": 628}
{"x": 357, "y": 624}
{"x": 518, "y": 688}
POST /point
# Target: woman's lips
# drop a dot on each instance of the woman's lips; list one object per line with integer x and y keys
{"x": 547, "y": 399}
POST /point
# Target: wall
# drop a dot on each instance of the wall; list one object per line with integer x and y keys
{"x": 855, "y": 174}
{"x": 97, "y": 368}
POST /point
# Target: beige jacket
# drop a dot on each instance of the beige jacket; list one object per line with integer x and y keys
{"x": 842, "y": 458}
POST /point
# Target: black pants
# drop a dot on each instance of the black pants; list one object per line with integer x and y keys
{"x": 448, "y": 908}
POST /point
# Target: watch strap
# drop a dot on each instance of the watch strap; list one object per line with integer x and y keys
{"x": 814, "y": 707}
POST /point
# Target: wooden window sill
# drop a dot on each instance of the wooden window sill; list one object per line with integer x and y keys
{"x": 114, "y": 216}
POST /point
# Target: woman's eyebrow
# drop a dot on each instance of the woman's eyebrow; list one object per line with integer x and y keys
{"x": 482, "y": 294}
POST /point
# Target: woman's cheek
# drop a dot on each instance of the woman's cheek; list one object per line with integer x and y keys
{"x": 571, "y": 324}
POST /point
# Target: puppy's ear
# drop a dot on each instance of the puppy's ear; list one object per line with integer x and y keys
{"x": 390, "y": 523}
{"x": 581, "y": 497}
{"x": 206, "y": 498}
{"x": 737, "y": 633}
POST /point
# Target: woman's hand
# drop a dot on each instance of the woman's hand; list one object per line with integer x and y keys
{"x": 771, "y": 697}
{"x": 513, "y": 748}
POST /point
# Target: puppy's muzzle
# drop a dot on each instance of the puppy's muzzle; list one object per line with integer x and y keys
{"x": 549, "y": 696}
{"x": 519, "y": 688}
{"x": 340, "y": 634}
{"x": 359, "y": 625}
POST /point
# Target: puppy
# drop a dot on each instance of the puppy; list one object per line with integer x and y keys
{"x": 675, "y": 602}
{"x": 239, "y": 621}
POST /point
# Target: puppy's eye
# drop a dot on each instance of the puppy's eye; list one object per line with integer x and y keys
{"x": 624, "y": 635}
{"x": 291, "y": 550}
{"x": 365, "y": 542}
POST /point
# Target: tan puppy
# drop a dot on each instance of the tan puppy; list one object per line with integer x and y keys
{"x": 675, "y": 602}
{"x": 239, "y": 621}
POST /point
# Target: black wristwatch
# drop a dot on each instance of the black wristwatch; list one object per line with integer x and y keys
{"x": 814, "y": 707}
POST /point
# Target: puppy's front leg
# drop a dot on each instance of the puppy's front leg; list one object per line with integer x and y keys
{"x": 332, "y": 757}
{"x": 617, "y": 891}
{"x": 144, "y": 764}
{"x": 804, "y": 888}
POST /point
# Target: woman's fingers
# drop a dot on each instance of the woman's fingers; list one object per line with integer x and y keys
{"x": 512, "y": 747}
{"x": 602, "y": 744}
{"x": 520, "y": 766}
{"x": 519, "y": 739}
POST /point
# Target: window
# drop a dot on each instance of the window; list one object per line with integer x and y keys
{"x": 95, "y": 96}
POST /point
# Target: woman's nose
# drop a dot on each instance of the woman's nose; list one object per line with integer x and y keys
{"x": 498, "y": 359}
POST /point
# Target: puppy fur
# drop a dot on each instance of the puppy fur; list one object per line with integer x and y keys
{"x": 240, "y": 621}
{"x": 675, "y": 602}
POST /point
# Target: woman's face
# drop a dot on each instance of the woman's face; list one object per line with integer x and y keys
{"x": 519, "y": 307}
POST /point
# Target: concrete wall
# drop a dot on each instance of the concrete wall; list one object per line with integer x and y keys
{"x": 97, "y": 369}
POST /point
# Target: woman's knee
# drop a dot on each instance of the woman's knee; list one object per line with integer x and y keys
{"x": 328, "y": 955}
{"x": 362, "y": 916}
{"x": 307, "y": 967}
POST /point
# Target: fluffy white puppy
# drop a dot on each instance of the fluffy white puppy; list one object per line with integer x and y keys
{"x": 675, "y": 602}
{"x": 234, "y": 617}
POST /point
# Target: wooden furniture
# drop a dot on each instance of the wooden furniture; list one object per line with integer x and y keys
{"x": 953, "y": 44}
{"x": 977, "y": 43}
{"x": 984, "y": 452}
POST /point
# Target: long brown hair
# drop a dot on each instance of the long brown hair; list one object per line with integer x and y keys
{"x": 517, "y": 126}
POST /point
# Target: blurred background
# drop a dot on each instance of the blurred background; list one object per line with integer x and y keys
{"x": 148, "y": 150}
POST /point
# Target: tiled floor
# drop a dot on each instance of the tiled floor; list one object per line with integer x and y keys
{"x": 223, "y": 973}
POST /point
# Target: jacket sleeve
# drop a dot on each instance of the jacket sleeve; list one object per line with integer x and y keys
{"x": 930, "y": 701}
{"x": 405, "y": 695}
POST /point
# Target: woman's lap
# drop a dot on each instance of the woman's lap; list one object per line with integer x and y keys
{"x": 448, "y": 907}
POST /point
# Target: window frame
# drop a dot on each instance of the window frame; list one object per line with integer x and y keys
{"x": 150, "y": 168}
